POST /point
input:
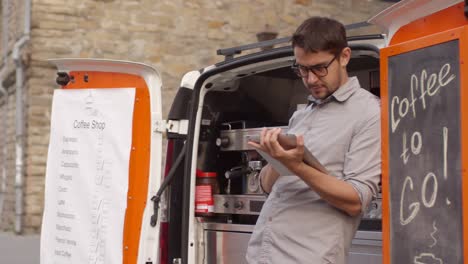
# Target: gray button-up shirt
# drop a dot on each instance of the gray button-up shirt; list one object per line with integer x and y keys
{"x": 295, "y": 224}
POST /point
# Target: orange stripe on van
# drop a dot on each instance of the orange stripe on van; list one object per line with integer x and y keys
{"x": 443, "y": 20}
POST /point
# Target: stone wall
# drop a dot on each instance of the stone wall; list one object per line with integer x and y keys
{"x": 7, "y": 197}
{"x": 175, "y": 36}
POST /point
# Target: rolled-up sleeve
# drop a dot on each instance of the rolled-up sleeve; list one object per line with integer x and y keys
{"x": 362, "y": 167}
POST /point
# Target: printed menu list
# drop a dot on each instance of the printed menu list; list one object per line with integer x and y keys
{"x": 66, "y": 172}
{"x": 87, "y": 176}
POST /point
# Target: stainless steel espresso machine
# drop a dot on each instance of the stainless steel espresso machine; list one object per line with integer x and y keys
{"x": 251, "y": 198}
{"x": 240, "y": 201}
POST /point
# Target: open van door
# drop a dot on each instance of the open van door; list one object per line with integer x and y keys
{"x": 104, "y": 163}
{"x": 424, "y": 127}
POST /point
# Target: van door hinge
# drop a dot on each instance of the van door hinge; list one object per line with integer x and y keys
{"x": 171, "y": 126}
{"x": 159, "y": 126}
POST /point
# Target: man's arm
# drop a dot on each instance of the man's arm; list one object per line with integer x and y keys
{"x": 268, "y": 177}
{"x": 338, "y": 193}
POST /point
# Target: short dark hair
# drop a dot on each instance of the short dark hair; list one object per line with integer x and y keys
{"x": 320, "y": 34}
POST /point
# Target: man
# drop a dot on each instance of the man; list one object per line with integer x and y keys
{"x": 311, "y": 217}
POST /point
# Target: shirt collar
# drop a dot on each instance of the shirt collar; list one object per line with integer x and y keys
{"x": 344, "y": 92}
{"x": 341, "y": 94}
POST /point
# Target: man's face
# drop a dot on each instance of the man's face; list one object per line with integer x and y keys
{"x": 322, "y": 87}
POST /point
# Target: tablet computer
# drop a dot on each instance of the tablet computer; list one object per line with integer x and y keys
{"x": 289, "y": 141}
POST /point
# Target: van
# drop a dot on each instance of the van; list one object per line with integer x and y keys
{"x": 204, "y": 208}
{"x": 229, "y": 102}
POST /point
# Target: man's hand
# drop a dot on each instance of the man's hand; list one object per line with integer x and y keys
{"x": 269, "y": 144}
{"x": 338, "y": 193}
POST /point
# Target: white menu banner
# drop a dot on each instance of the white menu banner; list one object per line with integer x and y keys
{"x": 87, "y": 176}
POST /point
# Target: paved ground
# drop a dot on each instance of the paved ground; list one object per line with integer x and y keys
{"x": 19, "y": 249}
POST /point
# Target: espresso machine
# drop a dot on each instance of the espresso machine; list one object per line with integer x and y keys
{"x": 249, "y": 199}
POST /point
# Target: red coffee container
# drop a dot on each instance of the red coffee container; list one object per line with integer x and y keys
{"x": 206, "y": 186}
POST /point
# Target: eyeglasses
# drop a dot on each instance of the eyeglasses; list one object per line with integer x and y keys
{"x": 319, "y": 70}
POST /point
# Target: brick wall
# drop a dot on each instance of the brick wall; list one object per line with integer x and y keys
{"x": 175, "y": 36}
{"x": 7, "y": 205}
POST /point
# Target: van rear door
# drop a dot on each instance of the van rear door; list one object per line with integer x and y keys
{"x": 99, "y": 82}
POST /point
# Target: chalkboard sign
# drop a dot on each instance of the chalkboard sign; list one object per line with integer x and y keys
{"x": 424, "y": 150}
